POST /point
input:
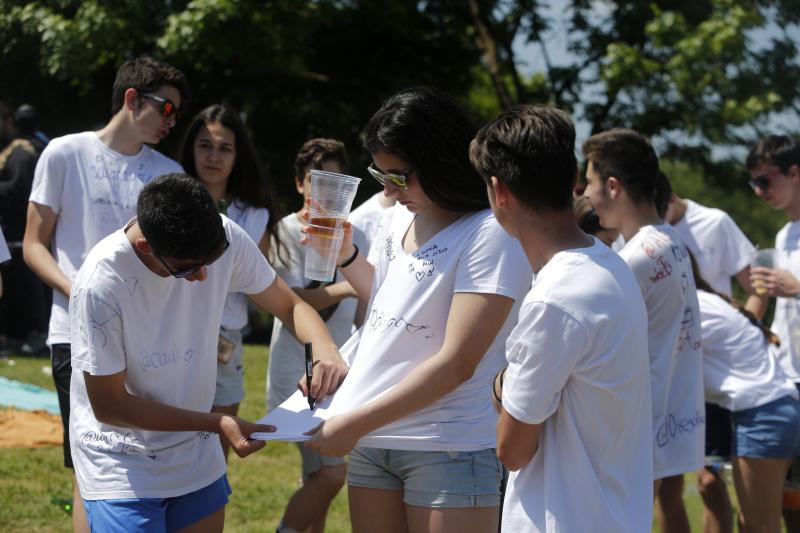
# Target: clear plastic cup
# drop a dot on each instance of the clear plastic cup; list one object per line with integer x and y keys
{"x": 322, "y": 248}
{"x": 763, "y": 258}
{"x": 332, "y": 195}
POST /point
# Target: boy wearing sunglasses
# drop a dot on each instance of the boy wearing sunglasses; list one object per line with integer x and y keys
{"x": 85, "y": 187}
{"x": 145, "y": 312}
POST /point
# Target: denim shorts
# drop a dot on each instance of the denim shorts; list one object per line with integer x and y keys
{"x": 230, "y": 375}
{"x": 770, "y": 431}
{"x": 435, "y": 479}
{"x": 313, "y": 460}
{"x": 146, "y": 515}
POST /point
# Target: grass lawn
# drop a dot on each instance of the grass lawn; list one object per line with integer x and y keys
{"x": 262, "y": 483}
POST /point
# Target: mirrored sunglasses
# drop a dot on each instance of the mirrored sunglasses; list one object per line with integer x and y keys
{"x": 167, "y": 107}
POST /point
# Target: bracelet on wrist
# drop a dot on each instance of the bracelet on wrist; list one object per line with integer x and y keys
{"x": 352, "y": 257}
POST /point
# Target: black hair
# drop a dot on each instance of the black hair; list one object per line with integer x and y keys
{"x": 663, "y": 194}
{"x": 317, "y": 151}
{"x": 779, "y": 150}
{"x": 247, "y": 182}
{"x": 430, "y": 132}
{"x": 26, "y": 119}
{"x": 532, "y": 150}
{"x": 178, "y": 218}
{"x": 703, "y": 285}
{"x": 628, "y": 156}
{"x": 146, "y": 74}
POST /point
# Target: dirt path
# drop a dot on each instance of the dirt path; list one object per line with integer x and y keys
{"x": 29, "y": 429}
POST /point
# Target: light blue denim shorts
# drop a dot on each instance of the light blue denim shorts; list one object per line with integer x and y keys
{"x": 230, "y": 375}
{"x": 430, "y": 478}
{"x": 157, "y": 515}
{"x": 770, "y": 431}
{"x": 313, "y": 460}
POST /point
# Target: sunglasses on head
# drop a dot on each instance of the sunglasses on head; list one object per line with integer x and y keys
{"x": 398, "y": 180}
{"x": 167, "y": 107}
{"x": 760, "y": 182}
{"x": 186, "y": 272}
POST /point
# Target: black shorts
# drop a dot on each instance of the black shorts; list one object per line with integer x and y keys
{"x": 61, "y": 358}
{"x": 719, "y": 432}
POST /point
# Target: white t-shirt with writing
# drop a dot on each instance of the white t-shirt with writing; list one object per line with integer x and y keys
{"x": 405, "y": 326}
{"x": 93, "y": 190}
{"x": 739, "y": 368}
{"x": 162, "y": 332}
{"x": 660, "y": 262}
{"x": 287, "y": 356}
{"x": 253, "y": 220}
{"x": 786, "y": 323}
{"x": 717, "y": 243}
{"x": 367, "y": 217}
{"x": 578, "y": 365}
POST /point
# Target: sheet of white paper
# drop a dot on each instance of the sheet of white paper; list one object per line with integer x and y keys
{"x": 292, "y": 418}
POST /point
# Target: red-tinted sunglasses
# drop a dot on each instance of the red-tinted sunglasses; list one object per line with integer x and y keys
{"x": 167, "y": 108}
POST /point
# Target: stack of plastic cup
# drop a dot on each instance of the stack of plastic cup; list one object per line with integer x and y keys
{"x": 331, "y": 199}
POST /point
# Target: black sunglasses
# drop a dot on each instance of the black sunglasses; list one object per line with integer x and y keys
{"x": 760, "y": 182}
{"x": 186, "y": 272}
{"x": 167, "y": 107}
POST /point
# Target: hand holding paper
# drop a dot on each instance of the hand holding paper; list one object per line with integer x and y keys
{"x": 293, "y": 419}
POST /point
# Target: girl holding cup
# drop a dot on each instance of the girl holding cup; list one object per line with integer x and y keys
{"x": 415, "y": 413}
{"x": 217, "y": 150}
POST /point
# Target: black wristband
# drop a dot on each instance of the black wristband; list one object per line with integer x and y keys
{"x": 352, "y": 257}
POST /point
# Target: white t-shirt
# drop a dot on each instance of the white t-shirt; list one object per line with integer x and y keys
{"x": 253, "y": 220}
{"x": 367, "y": 217}
{"x": 717, "y": 243}
{"x": 406, "y": 322}
{"x": 578, "y": 365}
{"x": 660, "y": 262}
{"x": 5, "y": 255}
{"x": 739, "y": 368}
{"x": 786, "y": 323}
{"x": 163, "y": 333}
{"x": 93, "y": 190}
{"x": 287, "y": 356}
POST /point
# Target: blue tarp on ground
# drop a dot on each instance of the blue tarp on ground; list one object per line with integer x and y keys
{"x": 26, "y": 396}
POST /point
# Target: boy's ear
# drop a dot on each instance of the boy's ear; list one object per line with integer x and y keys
{"x": 613, "y": 187}
{"x": 130, "y": 98}
{"x": 299, "y": 184}
{"x": 500, "y": 192}
{"x": 793, "y": 172}
{"x": 143, "y": 246}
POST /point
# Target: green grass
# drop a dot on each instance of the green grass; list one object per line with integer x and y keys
{"x": 262, "y": 483}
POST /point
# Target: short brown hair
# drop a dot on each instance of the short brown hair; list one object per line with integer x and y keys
{"x": 628, "y": 156}
{"x": 316, "y": 151}
{"x": 532, "y": 150}
{"x": 146, "y": 74}
{"x": 779, "y": 150}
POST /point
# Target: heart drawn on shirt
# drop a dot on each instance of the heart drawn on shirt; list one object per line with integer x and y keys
{"x": 419, "y": 275}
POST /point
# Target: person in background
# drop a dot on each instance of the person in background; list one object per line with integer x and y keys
{"x": 589, "y": 222}
{"x": 622, "y": 177}
{"x": 323, "y": 476}
{"x": 24, "y": 310}
{"x": 4, "y": 256}
{"x": 774, "y": 167}
{"x": 85, "y": 187}
{"x": 217, "y": 150}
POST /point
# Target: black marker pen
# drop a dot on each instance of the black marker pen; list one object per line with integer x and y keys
{"x": 309, "y": 375}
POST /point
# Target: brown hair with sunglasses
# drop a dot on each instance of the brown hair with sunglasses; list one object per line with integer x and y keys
{"x": 147, "y": 75}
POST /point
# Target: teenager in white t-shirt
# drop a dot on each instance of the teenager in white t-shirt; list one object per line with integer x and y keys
{"x": 85, "y": 187}
{"x": 774, "y": 165}
{"x": 218, "y": 151}
{"x": 574, "y": 401}
{"x": 622, "y": 176}
{"x": 146, "y": 308}
{"x": 416, "y": 418}
{"x": 742, "y": 375}
{"x": 323, "y": 476}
